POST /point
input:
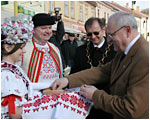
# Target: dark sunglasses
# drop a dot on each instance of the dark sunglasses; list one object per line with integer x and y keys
{"x": 90, "y": 33}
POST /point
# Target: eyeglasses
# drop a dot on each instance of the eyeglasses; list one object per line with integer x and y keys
{"x": 112, "y": 34}
{"x": 89, "y": 34}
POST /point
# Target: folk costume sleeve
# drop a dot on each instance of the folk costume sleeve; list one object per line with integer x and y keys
{"x": 12, "y": 93}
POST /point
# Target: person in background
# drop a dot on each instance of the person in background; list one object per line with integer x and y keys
{"x": 127, "y": 74}
{"x": 57, "y": 38}
{"x": 79, "y": 40}
{"x": 88, "y": 55}
{"x": 42, "y": 61}
{"x": 68, "y": 49}
{"x": 66, "y": 36}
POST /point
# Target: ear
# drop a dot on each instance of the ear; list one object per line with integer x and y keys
{"x": 128, "y": 30}
{"x": 104, "y": 30}
{"x": 8, "y": 48}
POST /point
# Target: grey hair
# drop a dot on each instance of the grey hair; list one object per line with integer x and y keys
{"x": 123, "y": 18}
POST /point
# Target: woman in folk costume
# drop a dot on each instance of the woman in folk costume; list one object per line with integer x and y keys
{"x": 20, "y": 98}
{"x": 42, "y": 61}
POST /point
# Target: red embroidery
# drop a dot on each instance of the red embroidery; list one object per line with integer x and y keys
{"x": 45, "y": 99}
{"x": 59, "y": 103}
{"x": 36, "y": 109}
{"x": 45, "y": 107}
{"x": 16, "y": 90}
{"x": 36, "y": 104}
{"x": 28, "y": 105}
{"x": 86, "y": 107}
{"x": 36, "y": 96}
{"x": 73, "y": 100}
{"x": 80, "y": 103}
{"x": 66, "y": 106}
{"x": 73, "y": 109}
{"x": 54, "y": 97}
{"x": 65, "y": 97}
{"x": 54, "y": 105}
{"x": 26, "y": 111}
{"x": 29, "y": 99}
{"x": 78, "y": 111}
{"x": 84, "y": 114}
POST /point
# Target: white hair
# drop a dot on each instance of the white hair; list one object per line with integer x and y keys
{"x": 122, "y": 19}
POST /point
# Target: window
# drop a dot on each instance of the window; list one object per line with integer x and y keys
{"x": 86, "y": 13}
{"x": 93, "y": 12}
{"x": 81, "y": 13}
{"x": 72, "y": 10}
{"x": 51, "y": 5}
{"x": 98, "y": 13}
{"x": 105, "y": 15}
{"x": 66, "y": 5}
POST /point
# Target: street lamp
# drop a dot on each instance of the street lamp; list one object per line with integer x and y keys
{"x": 133, "y": 3}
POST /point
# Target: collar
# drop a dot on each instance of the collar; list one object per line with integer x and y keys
{"x": 131, "y": 44}
{"x": 38, "y": 42}
{"x": 100, "y": 45}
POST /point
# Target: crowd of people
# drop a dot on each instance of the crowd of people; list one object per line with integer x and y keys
{"x": 108, "y": 69}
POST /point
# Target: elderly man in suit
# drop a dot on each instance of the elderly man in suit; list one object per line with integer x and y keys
{"x": 127, "y": 74}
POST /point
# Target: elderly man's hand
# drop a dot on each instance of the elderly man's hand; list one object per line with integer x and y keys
{"x": 60, "y": 83}
{"x": 88, "y": 91}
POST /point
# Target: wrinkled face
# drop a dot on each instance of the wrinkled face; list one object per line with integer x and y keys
{"x": 43, "y": 33}
{"x": 118, "y": 36}
{"x": 95, "y": 33}
{"x": 18, "y": 55}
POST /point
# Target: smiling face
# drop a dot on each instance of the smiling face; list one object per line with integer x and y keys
{"x": 43, "y": 33}
{"x": 95, "y": 27}
{"x": 18, "y": 55}
{"x": 118, "y": 35}
{"x": 17, "y": 52}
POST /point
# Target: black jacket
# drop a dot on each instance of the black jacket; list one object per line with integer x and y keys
{"x": 57, "y": 39}
{"x": 69, "y": 50}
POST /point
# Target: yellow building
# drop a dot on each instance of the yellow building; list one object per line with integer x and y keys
{"x": 74, "y": 13}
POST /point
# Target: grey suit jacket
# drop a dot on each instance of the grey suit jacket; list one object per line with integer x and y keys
{"x": 128, "y": 79}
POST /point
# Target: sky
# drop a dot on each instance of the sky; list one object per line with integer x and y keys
{"x": 142, "y": 3}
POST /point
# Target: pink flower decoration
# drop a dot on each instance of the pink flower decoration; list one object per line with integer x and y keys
{"x": 20, "y": 25}
{"x": 23, "y": 31}
{"x": 16, "y": 32}
{"x": 4, "y": 25}
{"x": 32, "y": 31}
{"x": 13, "y": 25}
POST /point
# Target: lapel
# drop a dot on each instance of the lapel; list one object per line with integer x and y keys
{"x": 119, "y": 67}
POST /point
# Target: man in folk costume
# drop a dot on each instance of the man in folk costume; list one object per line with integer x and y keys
{"x": 42, "y": 61}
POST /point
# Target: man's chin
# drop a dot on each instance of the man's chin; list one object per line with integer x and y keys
{"x": 116, "y": 49}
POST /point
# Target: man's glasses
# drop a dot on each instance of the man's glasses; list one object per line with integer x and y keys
{"x": 112, "y": 34}
{"x": 89, "y": 34}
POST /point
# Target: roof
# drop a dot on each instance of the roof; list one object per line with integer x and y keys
{"x": 129, "y": 10}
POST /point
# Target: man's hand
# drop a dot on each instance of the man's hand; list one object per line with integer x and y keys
{"x": 60, "y": 83}
{"x": 88, "y": 91}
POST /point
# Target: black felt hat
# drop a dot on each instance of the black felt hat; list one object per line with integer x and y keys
{"x": 41, "y": 19}
{"x": 71, "y": 34}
